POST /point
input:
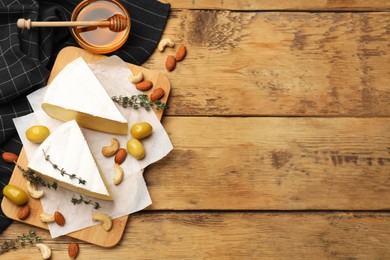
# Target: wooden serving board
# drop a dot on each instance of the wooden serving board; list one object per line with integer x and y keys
{"x": 95, "y": 234}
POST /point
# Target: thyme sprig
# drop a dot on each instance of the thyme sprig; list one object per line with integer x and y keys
{"x": 38, "y": 181}
{"x": 89, "y": 202}
{"x": 62, "y": 171}
{"x": 138, "y": 101}
{"x": 20, "y": 241}
{"x": 35, "y": 179}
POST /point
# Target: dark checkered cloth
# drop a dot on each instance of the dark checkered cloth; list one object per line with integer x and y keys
{"x": 26, "y": 56}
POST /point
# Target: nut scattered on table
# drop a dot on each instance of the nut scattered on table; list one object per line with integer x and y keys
{"x": 59, "y": 218}
{"x": 109, "y": 151}
{"x": 181, "y": 53}
{"x": 46, "y": 218}
{"x": 32, "y": 191}
{"x": 136, "y": 78}
{"x": 45, "y": 250}
{"x": 24, "y": 212}
{"x": 157, "y": 94}
{"x": 120, "y": 156}
{"x": 144, "y": 85}
{"x": 9, "y": 157}
{"x": 73, "y": 250}
{"x": 118, "y": 177}
{"x": 170, "y": 63}
{"x": 105, "y": 219}
{"x": 166, "y": 42}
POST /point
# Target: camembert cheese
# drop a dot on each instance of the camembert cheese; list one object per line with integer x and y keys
{"x": 76, "y": 94}
{"x": 68, "y": 149}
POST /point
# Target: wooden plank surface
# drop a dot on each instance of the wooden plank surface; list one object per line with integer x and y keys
{"x": 235, "y": 235}
{"x": 267, "y": 185}
{"x": 94, "y": 234}
{"x": 273, "y": 64}
{"x": 269, "y": 5}
{"x": 273, "y": 163}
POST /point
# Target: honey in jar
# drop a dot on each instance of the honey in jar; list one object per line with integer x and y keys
{"x": 99, "y": 39}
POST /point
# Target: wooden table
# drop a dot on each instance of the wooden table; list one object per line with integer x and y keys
{"x": 279, "y": 117}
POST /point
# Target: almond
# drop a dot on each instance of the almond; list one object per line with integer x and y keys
{"x": 170, "y": 63}
{"x": 156, "y": 94}
{"x": 73, "y": 250}
{"x": 144, "y": 85}
{"x": 181, "y": 53}
{"x": 120, "y": 156}
{"x": 9, "y": 157}
{"x": 24, "y": 212}
{"x": 59, "y": 218}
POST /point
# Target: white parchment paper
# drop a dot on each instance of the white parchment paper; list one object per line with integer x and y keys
{"x": 132, "y": 194}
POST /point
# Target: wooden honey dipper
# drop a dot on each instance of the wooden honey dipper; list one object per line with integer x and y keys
{"x": 115, "y": 23}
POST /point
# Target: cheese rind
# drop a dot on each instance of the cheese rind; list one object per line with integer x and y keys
{"x": 86, "y": 120}
{"x": 68, "y": 149}
{"x": 76, "y": 94}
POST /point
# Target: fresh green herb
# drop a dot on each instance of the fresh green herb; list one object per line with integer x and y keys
{"x": 89, "y": 202}
{"x": 137, "y": 101}
{"x": 35, "y": 179}
{"x": 20, "y": 241}
{"x": 38, "y": 181}
{"x": 62, "y": 171}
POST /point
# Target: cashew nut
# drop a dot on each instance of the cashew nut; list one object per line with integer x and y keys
{"x": 105, "y": 219}
{"x": 118, "y": 177}
{"x": 112, "y": 149}
{"x": 33, "y": 191}
{"x": 45, "y": 250}
{"x": 164, "y": 43}
{"x": 137, "y": 77}
{"x": 47, "y": 218}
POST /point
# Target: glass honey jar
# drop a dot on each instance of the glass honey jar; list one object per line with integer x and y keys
{"x": 99, "y": 39}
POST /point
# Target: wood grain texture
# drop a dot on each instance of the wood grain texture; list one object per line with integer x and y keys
{"x": 269, "y": 5}
{"x": 235, "y": 235}
{"x": 279, "y": 64}
{"x": 265, "y": 186}
{"x": 273, "y": 163}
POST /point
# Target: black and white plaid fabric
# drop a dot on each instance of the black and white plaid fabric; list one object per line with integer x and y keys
{"x": 28, "y": 55}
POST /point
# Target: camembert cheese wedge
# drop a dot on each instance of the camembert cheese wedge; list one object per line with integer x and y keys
{"x": 69, "y": 151}
{"x": 76, "y": 94}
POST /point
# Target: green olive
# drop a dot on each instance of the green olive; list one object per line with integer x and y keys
{"x": 135, "y": 148}
{"x": 37, "y": 133}
{"x": 15, "y": 194}
{"x": 141, "y": 130}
